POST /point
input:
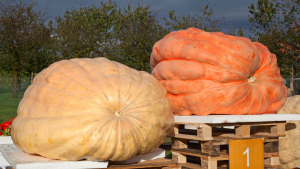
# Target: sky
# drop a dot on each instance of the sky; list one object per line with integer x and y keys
{"x": 235, "y": 11}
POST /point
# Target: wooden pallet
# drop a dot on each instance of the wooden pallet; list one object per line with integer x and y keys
{"x": 153, "y": 164}
{"x": 206, "y": 132}
{"x": 210, "y": 142}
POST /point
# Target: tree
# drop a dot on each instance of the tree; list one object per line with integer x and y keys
{"x": 135, "y": 32}
{"x": 22, "y": 32}
{"x": 202, "y": 21}
{"x": 264, "y": 15}
{"x": 234, "y": 31}
{"x": 84, "y": 32}
{"x": 275, "y": 25}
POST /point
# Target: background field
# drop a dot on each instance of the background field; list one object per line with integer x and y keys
{"x": 9, "y": 105}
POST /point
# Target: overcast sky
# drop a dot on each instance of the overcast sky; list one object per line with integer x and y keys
{"x": 235, "y": 11}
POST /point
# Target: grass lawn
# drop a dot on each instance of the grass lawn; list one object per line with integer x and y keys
{"x": 9, "y": 105}
{"x": 168, "y": 153}
{"x": 7, "y": 112}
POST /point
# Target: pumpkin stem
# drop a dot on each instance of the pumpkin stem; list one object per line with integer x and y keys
{"x": 117, "y": 113}
{"x": 252, "y": 79}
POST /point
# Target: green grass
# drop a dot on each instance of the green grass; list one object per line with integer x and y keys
{"x": 7, "y": 112}
{"x": 9, "y": 105}
{"x": 168, "y": 153}
{"x": 168, "y": 140}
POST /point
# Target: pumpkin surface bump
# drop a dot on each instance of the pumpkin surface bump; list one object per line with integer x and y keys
{"x": 289, "y": 145}
{"x": 213, "y": 73}
{"x": 93, "y": 109}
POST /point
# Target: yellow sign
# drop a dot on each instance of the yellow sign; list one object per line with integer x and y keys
{"x": 246, "y": 154}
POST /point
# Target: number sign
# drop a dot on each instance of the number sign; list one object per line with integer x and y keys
{"x": 246, "y": 154}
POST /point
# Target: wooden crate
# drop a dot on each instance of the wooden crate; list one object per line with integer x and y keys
{"x": 209, "y": 143}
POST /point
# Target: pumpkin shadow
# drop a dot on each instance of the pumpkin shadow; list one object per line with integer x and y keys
{"x": 290, "y": 126}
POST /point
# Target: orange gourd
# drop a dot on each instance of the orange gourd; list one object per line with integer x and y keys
{"x": 213, "y": 73}
{"x": 93, "y": 109}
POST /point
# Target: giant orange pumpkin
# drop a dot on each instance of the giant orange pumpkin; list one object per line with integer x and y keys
{"x": 93, "y": 109}
{"x": 213, "y": 73}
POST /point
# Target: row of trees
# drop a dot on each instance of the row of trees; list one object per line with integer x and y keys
{"x": 29, "y": 41}
{"x": 28, "y": 44}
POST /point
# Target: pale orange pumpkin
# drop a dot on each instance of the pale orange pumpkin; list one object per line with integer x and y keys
{"x": 213, "y": 73}
{"x": 289, "y": 145}
{"x": 93, "y": 109}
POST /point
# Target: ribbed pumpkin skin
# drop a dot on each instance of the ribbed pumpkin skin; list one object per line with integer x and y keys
{"x": 212, "y": 73}
{"x": 70, "y": 112}
{"x": 289, "y": 145}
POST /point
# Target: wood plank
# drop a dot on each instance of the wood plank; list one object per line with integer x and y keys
{"x": 234, "y": 124}
{"x": 223, "y": 156}
{"x": 215, "y": 133}
{"x": 191, "y": 152}
{"x": 174, "y": 166}
{"x": 266, "y": 134}
{"x": 163, "y": 162}
{"x": 216, "y": 137}
{"x": 271, "y": 140}
{"x": 220, "y": 141}
{"x": 275, "y": 154}
{"x": 198, "y": 153}
{"x": 191, "y": 166}
{"x": 228, "y": 136}
{"x": 266, "y": 139}
{"x": 144, "y": 162}
{"x": 189, "y": 137}
{"x": 217, "y": 119}
{"x": 273, "y": 167}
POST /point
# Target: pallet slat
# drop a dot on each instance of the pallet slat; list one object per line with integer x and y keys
{"x": 162, "y": 162}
